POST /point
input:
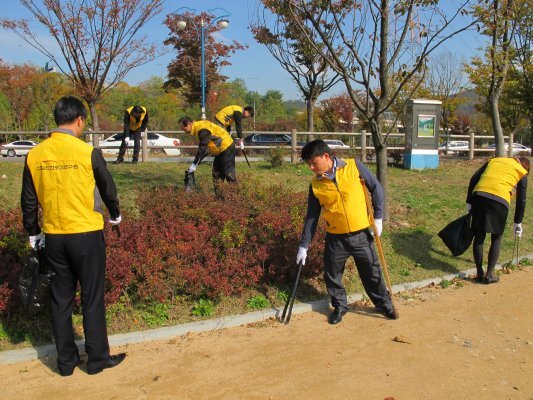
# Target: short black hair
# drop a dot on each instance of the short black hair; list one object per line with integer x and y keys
{"x": 67, "y": 109}
{"x": 137, "y": 110}
{"x": 184, "y": 121}
{"x": 314, "y": 149}
{"x": 250, "y": 109}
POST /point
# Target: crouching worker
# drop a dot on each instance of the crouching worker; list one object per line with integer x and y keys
{"x": 336, "y": 188}
{"x": 215, "y": 140}
{"x": 69, "y": 179}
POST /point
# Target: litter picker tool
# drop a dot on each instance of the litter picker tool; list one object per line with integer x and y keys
{"x": 190, "y": 181}
{"x": 286, "y": 316}
{"x": 377, "y": 240}
{"x": 116, "y": 228}
{"x": 246, "y": 158}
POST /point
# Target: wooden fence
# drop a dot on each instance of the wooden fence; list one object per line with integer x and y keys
{"x": 360, "y": 143}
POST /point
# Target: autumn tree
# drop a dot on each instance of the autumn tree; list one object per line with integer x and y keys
{"x": 381, "y": 40}
{"x": 185, "y": 70}
{"x": 337, "y": 113}
{"x": 99, "y": 41}
{"x": 284, "y": 39}
{"x": 498, "y": 19}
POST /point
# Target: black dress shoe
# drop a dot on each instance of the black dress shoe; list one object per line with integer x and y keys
{"x": 389, "y": 313}
{"x": 118, "y": 161}
{"x": 134, "y": 161}
{"x": 336, "y": 315}
{"x": 494, "y": 279}
{"x": 111, "y": 362}
{"x": 479, "y": 279}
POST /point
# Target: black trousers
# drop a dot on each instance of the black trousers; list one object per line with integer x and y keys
{"x": 224, "y": 165}
{"x": 136, "y": 146}
{"x": 78, "y": 258}
{"x": 360, "y": 246}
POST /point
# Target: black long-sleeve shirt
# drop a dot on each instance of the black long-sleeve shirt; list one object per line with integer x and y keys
{"x": 521, "y": 194}
{"x": 127, "y": 129}
{"x": 314, "y": 209}
{"x": 104, "y": 183}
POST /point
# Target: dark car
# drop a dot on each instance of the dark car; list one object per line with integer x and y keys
{"x": 269, "y": 139}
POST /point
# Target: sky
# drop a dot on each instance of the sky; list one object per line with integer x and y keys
{"x": 259, "y": 70}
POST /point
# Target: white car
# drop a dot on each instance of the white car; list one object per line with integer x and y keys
{"x": 454, "y": 146}
{"x": 518, "y": 149}
{"x": 168, "y": 145}
{"x": 17, "y": 148}
{"x": 336, "y": 144}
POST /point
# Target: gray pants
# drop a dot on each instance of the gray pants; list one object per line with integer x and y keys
{"x": 360, "y": 246}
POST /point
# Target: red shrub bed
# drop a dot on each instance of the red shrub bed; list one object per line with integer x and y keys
{"x": 192, "y": 244}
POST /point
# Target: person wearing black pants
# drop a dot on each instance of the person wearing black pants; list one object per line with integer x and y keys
{"x": 69, "y": 179}
{"x": 337, "y": 191}
{"x": 488, "y": 200}
{"x": 215, "y": 140}
{"x": 135, "y": 123}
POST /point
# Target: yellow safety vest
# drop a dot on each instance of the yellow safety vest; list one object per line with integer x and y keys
{"x": 343, "y": 202}
{"x": 134, "y": 124}
{"x": 220, "y": 139}
{"x": 62, "y": 173}
{"x": 500, "y": 177}
{"x": 226, "y": 114}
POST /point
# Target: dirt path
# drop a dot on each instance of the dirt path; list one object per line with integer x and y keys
{"x": 474, "y": 342}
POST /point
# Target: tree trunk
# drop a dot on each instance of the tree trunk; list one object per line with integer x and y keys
{"x": 96, "y": 127}
{"x": 310, "y": 103}
{"x": 497, "y": 126}
{"x": 381, "y": 164}
{"x": 531, "y": 130}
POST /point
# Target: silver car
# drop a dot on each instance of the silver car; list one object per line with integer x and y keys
{"x": 17, "y": 148}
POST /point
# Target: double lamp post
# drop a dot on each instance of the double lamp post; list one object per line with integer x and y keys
{"x": 222, "y": 23}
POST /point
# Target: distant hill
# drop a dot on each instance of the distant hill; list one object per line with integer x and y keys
{"x": 469, "y": 106}
{"x": 296, "y": 105}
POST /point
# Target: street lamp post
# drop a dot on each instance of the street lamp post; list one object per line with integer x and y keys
{"x": 221, "y": 22}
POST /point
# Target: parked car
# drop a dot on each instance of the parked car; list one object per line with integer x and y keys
{"x": 17, "y": 148}
{"x": 454, "y": 146}
{"x": 269, "y": 139}
{"x": 336, "y": 144}
{"x": 518, "y": 149}
{"x": 154, "y": 139}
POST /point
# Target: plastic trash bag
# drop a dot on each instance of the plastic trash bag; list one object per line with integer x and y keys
{"x": 458, "y": 235}
{"x": 34, "y": 282}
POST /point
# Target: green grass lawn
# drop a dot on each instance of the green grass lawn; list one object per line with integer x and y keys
{"x": 420, "y": 204}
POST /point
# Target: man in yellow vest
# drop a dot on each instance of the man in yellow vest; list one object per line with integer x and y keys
{"x": 337, "y": 190}
{"x": 215, "y": 140}
{"x": 135, "y": 122}
{"x": 488, "y": 200}
{"x": 233, "y": 114}
{"x": 69, "y": 179}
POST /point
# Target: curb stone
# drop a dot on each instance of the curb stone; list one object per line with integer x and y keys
{"x": 32, "y": 353}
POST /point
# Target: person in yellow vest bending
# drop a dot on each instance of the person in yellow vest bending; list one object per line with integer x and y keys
{"x": 215, "y": 140}
{"x": 69, "y": 179}
{"x": 135, "y": 122}
{"x": 336, "y": 189}
{"x": 488, "y": 199}
{"x": 233, "y": 114}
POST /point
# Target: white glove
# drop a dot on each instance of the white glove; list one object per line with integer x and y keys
{"x": 242, "y": 144}
{"x": 518, "y": 230}
{"x": 301, "y": 256}
{"x": 116, "y": 221}
{"x": 37, "y": 241}
{"x": 127, "y": 140}
{"x": 379, "y": 225}
{"x": 192, "y": 167}
{"x": 468, "y": 207}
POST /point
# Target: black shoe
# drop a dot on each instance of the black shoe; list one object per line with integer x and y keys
{"x": 336, "y": 315}
{"x": 494, "y": 279}
{"x": 134, "y": 161}
{"x": 69, "y": 371}
{"x": 479, "y": 279}
{"x": 111, "y": 362}
{"x": 118, "y": 161}
{"x": 390, "y": 313}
